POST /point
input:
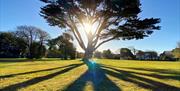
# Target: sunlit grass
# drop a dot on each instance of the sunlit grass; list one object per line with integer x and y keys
{"x": 157, "y": 71}
{"x": 56, "y": 74}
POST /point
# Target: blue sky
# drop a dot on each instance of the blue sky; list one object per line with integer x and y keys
{"x": 26, "y": 12}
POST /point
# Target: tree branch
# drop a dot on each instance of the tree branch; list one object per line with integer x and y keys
{"x": 77, "y": 32}
{"x": 104, "y": 42}
{"x": 99, "y": 31}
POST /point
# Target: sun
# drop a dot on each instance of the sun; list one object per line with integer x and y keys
{"x": 88, "y": 27}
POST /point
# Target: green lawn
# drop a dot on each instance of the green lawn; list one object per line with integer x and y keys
{"x": 72, "y": 75}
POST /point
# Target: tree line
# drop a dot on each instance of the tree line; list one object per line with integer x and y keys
{"x": 32, "y": 42}
{"x": 134, "y": 54}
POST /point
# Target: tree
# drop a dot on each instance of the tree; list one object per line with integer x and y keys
{"x": 32, "y": 35}
{"x": 133, "y": 50}
{"x": 37, "y": 50}
{"x": 65, "y": 46}
{"x": 107, "y": 54}
{"x": 151, "y": 55}
{"x": 11, "y": 46}
{"x": 167, "y": 56}
{"x": 125, "y": 53}
{"x": 147, "y": 55}
{"x": 54, "y": 54}
{"x": 140, "y": 55}
{"x": 99, "y": 21}
{"x": 176, "y": 53}
{"x": 53, "y": 51}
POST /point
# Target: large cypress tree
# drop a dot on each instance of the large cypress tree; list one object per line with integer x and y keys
{"x": 99, "y": 21}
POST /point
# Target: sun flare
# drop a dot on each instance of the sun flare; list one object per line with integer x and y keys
{"x": 88, "y": 27}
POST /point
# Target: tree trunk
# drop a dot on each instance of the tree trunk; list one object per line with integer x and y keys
{"x": 89, "y": 54}
{"x": 89, "y": 50}
{"x": 87, "y": 58}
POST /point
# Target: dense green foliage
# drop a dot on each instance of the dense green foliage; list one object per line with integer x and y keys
{"x": 176, "y": 53}
{"x": 62, "y": 46}
{"x": 107, "y": 54}
{"x": 11, "y": 46}
{"x": 125, "y": 54}
{"x": 37, "y": 50}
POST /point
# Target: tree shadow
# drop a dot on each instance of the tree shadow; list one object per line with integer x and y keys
{"x": 172, "y": 74}
{"x": 99, "y": 80}
{"x": 163, "y": 71}
{"x": 143, "y": 82}
{"x": 97, "y": 77}
{"x": 15, "y": 60}
{"x": 12, "y": 75}
{"x": 36, "y": 80}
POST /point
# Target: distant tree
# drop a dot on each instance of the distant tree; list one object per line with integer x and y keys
{"x": 38, "y": 50}
{"x": 52, "y": 44}
{"x": 151, "y": 55}
{"x": 32, "y": 35}
{"x": 97, "y": 54}
{"x": 133, "y": 50}
{"x": 176, "y": 53}
{"x": 43, "y": 39}
{"x": 140, "y": 55}
{"x": 107, "y": 54}
{"x": 167, "y": 56}
{"x": 65, "y": 46}
{"x": 116, "y": 56}
{"x": 126, "y": 54}
{"x": 54, "y": 54}
{"x": 53, "y": 50}
{"x": 99, "y": 21}
{"x": 68, "y": 50}
{"x": 11, "y": 46}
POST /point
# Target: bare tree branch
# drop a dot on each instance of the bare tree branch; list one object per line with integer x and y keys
{"x": 103, "y": 42}
{"x": 77, "y": 32}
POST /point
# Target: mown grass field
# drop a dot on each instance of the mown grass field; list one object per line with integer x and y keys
{"x": 73, "y": 75}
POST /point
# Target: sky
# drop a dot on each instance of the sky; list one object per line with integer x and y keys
{"x": 14, "y": 13}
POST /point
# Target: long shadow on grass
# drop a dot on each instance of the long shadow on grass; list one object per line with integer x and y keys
{"x": 98, "y": 79}
{"x": 15, "y": 60}
{"x": 12, "y": 75}
{"x": 143, "y": 82}
{"x": 169, "y": 74}
{"x": 162, "y": 71}
{"x": 36, "y": 80}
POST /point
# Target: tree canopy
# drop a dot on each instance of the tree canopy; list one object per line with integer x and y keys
{"x": 64, "y": 45}
{"x": 126, "y": 53}
{"x": 11, "y": 46}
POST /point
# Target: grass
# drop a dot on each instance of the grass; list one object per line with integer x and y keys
{"x": 73, "y": 75}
